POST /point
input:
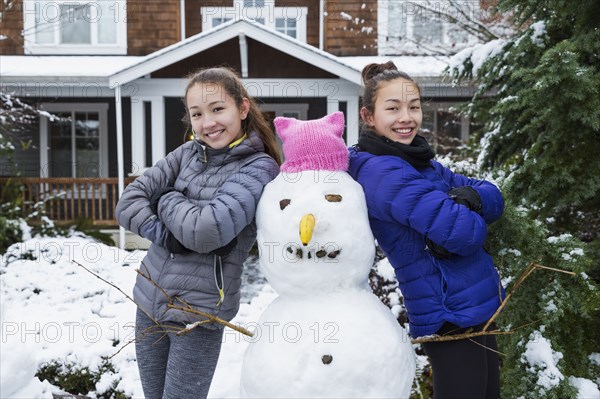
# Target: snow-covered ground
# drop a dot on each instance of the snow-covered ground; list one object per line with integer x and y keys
{"x": 53, "y": 309}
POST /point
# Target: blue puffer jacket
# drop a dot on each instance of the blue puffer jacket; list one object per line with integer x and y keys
{"x": 405, "y": 205}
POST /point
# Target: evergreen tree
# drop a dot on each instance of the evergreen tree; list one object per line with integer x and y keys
{"x": 539, "y": 98}
{"x": 553, "y": 316}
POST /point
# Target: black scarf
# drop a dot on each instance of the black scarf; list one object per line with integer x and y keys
{"x": 418, "y": 153}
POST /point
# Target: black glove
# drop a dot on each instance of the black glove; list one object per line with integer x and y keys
{"x": 225, "y": 249}
{"x": 467, "y": 196}
{"x": 173, "y": 245}
{"x": 154, "y": 198}
{"x": 436, "y": 250}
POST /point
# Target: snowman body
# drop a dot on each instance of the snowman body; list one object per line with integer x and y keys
{"x": 326, "y": 335}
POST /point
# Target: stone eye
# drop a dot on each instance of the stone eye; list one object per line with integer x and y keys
{"x": 333, "y": 197}
{"x": 284, "y": 202}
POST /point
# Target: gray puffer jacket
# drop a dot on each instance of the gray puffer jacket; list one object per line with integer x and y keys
{"x": 214, "y": 201}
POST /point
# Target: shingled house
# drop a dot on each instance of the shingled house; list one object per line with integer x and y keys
{"x": 114, "y": 69}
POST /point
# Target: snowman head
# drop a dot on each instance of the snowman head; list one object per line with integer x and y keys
{"x": 313, "y": 229}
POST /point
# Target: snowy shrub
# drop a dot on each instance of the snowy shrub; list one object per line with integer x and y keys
{"x": 78, "y": 380}
{"x": 10, "y": 233}
{"x": 537, "y": 99}
{"x": 561, "y": 307}
{"x": 553, "y": 314}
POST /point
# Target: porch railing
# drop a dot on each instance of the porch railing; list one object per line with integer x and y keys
{"x": 65, "y": 200}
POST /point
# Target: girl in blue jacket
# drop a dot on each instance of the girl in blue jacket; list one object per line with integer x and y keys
{"x": 431, "y": 223}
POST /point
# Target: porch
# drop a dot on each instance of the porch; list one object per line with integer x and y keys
{"x": 64, "y": 200}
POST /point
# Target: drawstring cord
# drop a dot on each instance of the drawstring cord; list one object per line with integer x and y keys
{"x": 218, "y": 269}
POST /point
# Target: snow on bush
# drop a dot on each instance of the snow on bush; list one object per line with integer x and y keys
{"x": 542, "y": 361}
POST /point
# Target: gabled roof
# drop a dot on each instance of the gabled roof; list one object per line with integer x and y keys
{"x": 213, "y": 37}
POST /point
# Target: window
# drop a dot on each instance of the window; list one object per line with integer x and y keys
{"x": 290, "y": 20}
{"x": 75, "y": 145}
{"x": 407, "y": 28}
{"x": 75, "y": 27}
{"x": 441, "y": 120}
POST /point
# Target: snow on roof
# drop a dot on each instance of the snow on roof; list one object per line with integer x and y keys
{"x": 62, "y": 67}
{"x": 415, "y": 66}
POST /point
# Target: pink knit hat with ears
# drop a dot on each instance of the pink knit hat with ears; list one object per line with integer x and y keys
{"x": 313, "y": 145}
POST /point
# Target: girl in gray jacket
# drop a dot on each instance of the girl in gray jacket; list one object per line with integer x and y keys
{"x": 197, "y": 207}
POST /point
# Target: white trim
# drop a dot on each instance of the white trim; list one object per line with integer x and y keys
{"x": 100, "y": 108}
{"x": 333, "y": 106}
{"x": 182, "y": 19}
{"x": 205, "y": 40}
{"x": 40, "y": 16}
{"x": 321, "y": 24}
{"x": 138, "y": 136}
{"x": 243, "y": 54}
{"x": 352, "y": 120}
{"x": 266, "y": 16}
{"x": 159, "y": 147}
{"x": 120, "y": 161}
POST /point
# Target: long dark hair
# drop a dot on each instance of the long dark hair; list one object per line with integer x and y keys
{"x": 374, "y": 74}
{"x": 232, "y": 84}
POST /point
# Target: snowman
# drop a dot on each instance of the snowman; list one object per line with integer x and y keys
{"x": 326, "y": 335}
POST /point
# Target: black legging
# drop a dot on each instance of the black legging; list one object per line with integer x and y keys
{"x": 464, "y": 369}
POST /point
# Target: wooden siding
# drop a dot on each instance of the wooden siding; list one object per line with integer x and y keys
{"x": 279, "y": 64}
{"x": 350, "y": 28}
{"x": 226, "y": 53}
{"x": 155, "y": 24}
{"x": 267, "y": 62}
{"x": 312, "y": 20}
{"x": 152, "y": 25}
{"x": 11, "y": 26}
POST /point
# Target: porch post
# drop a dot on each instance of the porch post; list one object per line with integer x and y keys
{"x": 158, "y": 129}
{"x": 352, "y": 120}
{"x": 138, "y": 136}
{"x": 120, "y": 166}
{"x": 332, "y": 105}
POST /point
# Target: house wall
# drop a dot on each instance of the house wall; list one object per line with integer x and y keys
{"x": 280, "y": 65}
{"x": 312, "y": 20}
{"x": 351, "y": 27}
{"x": 152, "y": 25}
{"x": 194, "y": 19}
{"x": 226, "y": 53}
{"x": 11, "y": 26}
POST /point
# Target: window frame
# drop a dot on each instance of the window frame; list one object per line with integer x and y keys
{"x": 387, "y": 46}
{"x": 35, "y": 10}
{"x": 269, "y": 13}
{"x": 100, "y": 108}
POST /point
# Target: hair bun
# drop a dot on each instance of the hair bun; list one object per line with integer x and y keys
{"x": 374, "y": 69}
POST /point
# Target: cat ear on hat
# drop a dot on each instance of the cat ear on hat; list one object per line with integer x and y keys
{"x": 336, "y": 120}
{"x": 282, "y": 125}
